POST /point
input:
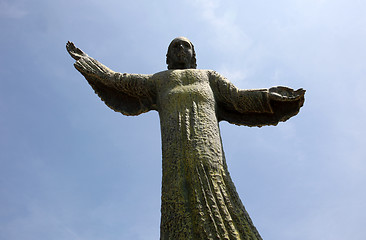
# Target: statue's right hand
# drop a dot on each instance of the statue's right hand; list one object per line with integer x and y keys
{"x": 285, "y": 94}
{"x": 75, "y": 52}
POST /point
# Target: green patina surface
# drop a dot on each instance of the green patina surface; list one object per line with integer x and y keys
{"x": 199, "y": 199}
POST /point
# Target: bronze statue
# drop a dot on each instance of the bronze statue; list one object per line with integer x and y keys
{"x": 199, "y": 199}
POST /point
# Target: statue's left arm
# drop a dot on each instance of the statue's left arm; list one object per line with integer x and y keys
{"x": 130, "y": 94}
{"x": 257, "y": 107}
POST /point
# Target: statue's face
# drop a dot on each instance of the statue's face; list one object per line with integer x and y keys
{"x": 181, "y": 53}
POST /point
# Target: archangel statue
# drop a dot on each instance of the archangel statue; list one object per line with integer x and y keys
{"x": 199, "y": 200}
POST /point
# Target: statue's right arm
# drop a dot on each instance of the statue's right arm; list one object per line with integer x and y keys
{"x": 87, "y": 65}
{"x": 133, "y": 84}
{"x": 130, "y": 94}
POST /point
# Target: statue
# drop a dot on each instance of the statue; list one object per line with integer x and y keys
{"x": 199, "y": 199}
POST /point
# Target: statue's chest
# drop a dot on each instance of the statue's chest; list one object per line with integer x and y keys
{"x": 185, "y": 87}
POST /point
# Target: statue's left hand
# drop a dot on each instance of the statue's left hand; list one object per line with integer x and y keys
{"x": 75, "y": 52}
{"x": 285, "y": 94}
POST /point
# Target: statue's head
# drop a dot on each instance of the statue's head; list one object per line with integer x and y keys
{"x": 181, "y": 54}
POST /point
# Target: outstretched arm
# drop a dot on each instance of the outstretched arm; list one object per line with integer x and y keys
{"x": 130, "y": 94}
{"x": 89, "y": 66}
{"x": 257, "y": 107}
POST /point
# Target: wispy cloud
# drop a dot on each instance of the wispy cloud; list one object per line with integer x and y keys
{"x": 11, "y": 10}
{"x": 226, "y": 36}
{"x": 233, "y": 74}
{"x": 227, "y": 32}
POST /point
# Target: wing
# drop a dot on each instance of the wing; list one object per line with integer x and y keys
{"x": 129, "y": 94}
{"x": 250, "y": 107}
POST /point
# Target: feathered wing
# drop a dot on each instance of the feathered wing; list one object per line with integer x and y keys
{"x": 129, "y": 94}
{"x": 250, "y": 107}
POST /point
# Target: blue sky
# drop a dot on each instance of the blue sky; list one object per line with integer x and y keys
{"x": 73, "y": 169}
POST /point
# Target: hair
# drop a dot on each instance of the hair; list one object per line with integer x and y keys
{"x": 193, "y": 63}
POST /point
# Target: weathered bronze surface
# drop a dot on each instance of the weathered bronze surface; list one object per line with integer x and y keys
{"x": 199, "y": 199}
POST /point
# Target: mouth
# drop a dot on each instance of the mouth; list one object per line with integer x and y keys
{"x": 181, "y": 54}
{"x": 181, "y": 57}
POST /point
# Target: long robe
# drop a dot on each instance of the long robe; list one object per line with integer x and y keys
{"x": 199, "y": 199}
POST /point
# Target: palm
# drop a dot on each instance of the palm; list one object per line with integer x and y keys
{"x": 285, "y": 93}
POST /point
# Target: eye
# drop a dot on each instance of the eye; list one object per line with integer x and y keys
{"x": 187, "y": 45}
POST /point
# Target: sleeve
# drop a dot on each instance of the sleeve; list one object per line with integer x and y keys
{"x": 249, "y": 107}
{"x": 129, "y": 94}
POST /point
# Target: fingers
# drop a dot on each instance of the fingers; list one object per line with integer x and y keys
{"x": 70, "y": 47}
{"x": 74, "y": 52}
{"x": 301, "y": 90}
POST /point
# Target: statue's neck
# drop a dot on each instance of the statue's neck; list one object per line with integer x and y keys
{"x": 180, "y": 66}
